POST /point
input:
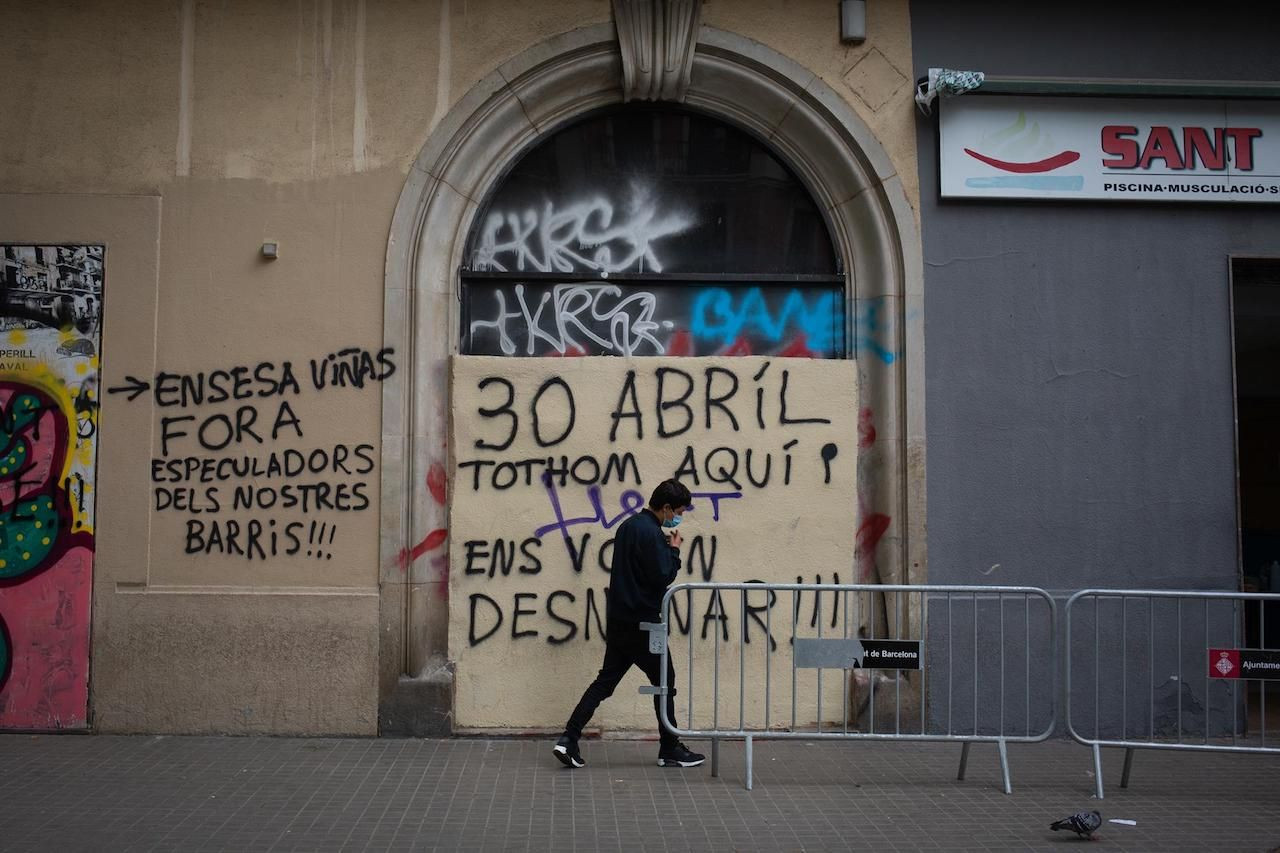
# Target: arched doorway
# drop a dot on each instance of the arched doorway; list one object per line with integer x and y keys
{"x": 650, "y": 230}
{"x": 740, "y": 84}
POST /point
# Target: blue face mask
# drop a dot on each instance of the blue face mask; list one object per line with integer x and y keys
{"x": 672, "y": 522}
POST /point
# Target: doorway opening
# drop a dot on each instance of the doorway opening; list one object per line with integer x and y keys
{"x": 1255, "y": 294}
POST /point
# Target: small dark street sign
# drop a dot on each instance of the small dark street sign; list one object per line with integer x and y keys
{"x": 1245, "y": 663}
{"x": 851, "y": 653}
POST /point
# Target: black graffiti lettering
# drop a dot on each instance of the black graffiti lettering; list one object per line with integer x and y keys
{"x": 472, "y": 638}
{"x": 528, "y": 465}
{"x": 768, "y": 467}
{"x": 688, "y": 467}
{"x": 219, "y": 420}
{"x": 384, "y": 361}
{"x": 679, "y": 402}
{"x": 719, "y": 401}
{"x": 628, "y": 390}
{"x": 517, "y": 611}
{"x": 262, "y": 374}
{"x": 166, "y": 434}
{"x": 254, "y": 497}
{"x": 474, "y": 553}
{"x": 295, "y": 543}
{"x": 698, "y": 554}
{"x": 562, "y": 470}
{"x": 166, "y": 386}
{"x": 195, "y": 536}
{"x": 189, "y": 500}
{"x": 578, "y": 553}
{"x": 829, "y": 451}
{"x": 595, "y": 471}
{"x": 817, "y": 602}
{"x": 285, "y": 418}
{"x": 786, "y": 477}
{"x": 604, "y": 557}
{"x": 533, "y": 564}
{"x": 503, "y": 409}
{"x": 533, "y": 409}
{"x": 477, "y": 464}
{"x": 340, "y": 454}
{"x": 753, "y": 614}
{"x": 233, "y": 537}
{"x": 835, "y": 608}
{"x": 500, "y": 482}
{"x": 504, "y": 557}
{"x": 253, "y": 540}
{"x": 592, "y": 609}
{"x": 365, "y": 454}
{"x": 569, "y": 624}
{"x": 760, "y": 395}
{"x": 715, "y": 611}
{"x": 722, "y": 474}
{"x": 682, "y": 625}
{"x": 245, "y": 418}
{"x": 782, "y": 406}
{"x": 584, "y": 470}
{"x": 616, "y": 466}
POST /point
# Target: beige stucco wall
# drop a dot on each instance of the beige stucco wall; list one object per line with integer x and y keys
{"x": 773, "y": 472}
{"x": 185, "y": 134}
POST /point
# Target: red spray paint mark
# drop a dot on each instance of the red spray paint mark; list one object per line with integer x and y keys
{"x": 572, "y": 352}
{"x": 436, "y": 482}
{"x": 441, "y": 565}
{"x": 740, "y": 347}
{"x": 866, "y": 429}
{"x": 681, "y": 343}
{"x": 798, "y": 348}
{"x": 869, "y": 534}
{"x": 434, "y": 540}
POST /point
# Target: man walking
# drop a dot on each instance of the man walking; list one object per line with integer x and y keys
{"x": 644, "y": 565}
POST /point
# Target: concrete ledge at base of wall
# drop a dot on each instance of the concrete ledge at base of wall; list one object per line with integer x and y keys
{"x": 418, "y": 707}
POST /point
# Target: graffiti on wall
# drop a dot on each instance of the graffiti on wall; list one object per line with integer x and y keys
{"x": 595, "y": 235}
{"x": 236, "y": 465}
{"x": 600, "y": 318}
{"x": 50, "y": 321}
{"x": 550, "y": 457}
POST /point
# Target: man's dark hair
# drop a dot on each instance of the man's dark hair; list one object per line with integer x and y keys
{"x": 672, "y": 494}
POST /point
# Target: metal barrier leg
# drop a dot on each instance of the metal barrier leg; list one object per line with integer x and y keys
{"x": 715, "y": 756}
{"x": 1097, "y": 770}
{"x": 1004, "y": 766}
{"x": 964, "y": 761}
{"x": 748, "y": 762}
{"x": 1128, "y": 765}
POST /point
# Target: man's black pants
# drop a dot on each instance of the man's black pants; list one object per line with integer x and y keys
{"x": 626, "y": 646}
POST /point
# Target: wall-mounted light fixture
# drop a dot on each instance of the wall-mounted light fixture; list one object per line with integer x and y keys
{"x": 271, "y": 250}
{"x": 853, "y": 21}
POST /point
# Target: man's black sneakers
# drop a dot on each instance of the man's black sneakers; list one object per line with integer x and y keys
{"x": 566, "y": 750}
{"x": 679, "y": 755}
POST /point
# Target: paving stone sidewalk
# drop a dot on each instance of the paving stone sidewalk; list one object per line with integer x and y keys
{"x": 71, "y": 793}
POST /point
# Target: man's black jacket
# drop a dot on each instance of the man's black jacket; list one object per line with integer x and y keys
{"x": 644, "y": 565}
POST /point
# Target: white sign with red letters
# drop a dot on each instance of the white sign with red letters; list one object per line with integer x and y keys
{"x": 998, "y": 146}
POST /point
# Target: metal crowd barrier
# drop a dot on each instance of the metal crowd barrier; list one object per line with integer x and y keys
{"x": 965, "y": 664}
{"x": 1170, "y": 664}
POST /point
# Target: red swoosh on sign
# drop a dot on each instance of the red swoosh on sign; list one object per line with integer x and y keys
{"x": 1048, "y": 164}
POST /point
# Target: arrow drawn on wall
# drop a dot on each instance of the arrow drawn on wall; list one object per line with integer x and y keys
{"x": 133, "y": 385}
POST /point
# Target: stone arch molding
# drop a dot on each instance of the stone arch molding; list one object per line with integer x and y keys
{"x": 733, "y": 78}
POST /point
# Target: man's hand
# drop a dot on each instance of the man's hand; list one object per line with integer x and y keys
{"x": 675, "y": 540}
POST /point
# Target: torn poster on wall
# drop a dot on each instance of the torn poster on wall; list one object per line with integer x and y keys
{"x": 50, "y": 335}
